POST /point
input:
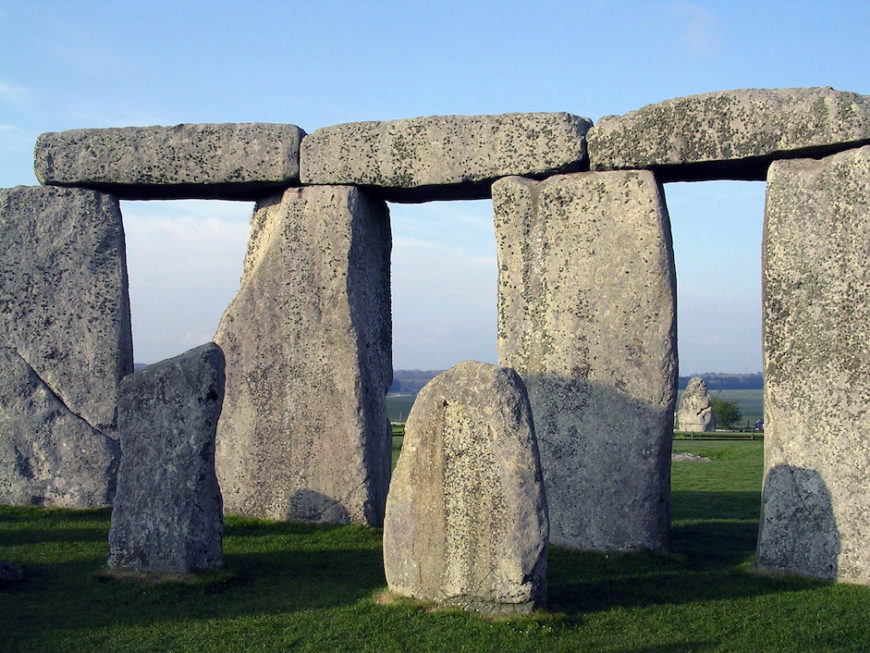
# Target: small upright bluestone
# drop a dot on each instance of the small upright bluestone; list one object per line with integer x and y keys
{"x": 168, "y": 512}
{"x": 466, "y": 521}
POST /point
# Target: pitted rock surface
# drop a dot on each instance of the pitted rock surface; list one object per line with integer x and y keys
{"x": 466, "y": 516}
{"x": 167, "y": 515}
{"x": 64, "y": 303}
{"x": 730, "y": 134}
{"x": 195, "y": 161}
{"x": 815, "y": 518}
{"x": 696, "y": 410}
{"x": 587, "y": 317}
{"x": 48, "y": 455}
{"x": 443, "y": 157}
{"x": 304, "y": 434}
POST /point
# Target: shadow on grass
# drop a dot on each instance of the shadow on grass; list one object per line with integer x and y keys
{"x": 724, "y": 505}
{"x": 710, "y": 561}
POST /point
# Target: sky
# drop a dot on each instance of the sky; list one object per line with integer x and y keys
{"x": 67, "y": 65}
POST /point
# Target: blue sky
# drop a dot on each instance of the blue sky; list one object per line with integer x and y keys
{"x": 67, "y": 65}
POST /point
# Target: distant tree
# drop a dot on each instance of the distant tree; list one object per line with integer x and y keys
{"x": 727, "y": 413}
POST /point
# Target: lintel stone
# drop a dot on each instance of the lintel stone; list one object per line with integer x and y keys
{"x": 234, "y": 161}
{"x": 730, "y": 134}
{"x": 443, "y": 157}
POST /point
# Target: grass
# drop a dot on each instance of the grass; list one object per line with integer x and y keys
{"x": 320, "y": 588}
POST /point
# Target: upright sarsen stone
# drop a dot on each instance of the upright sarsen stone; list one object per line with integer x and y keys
{"x": 586, "y": 316}
{"x": 304, "y": 433}
{"x": 64, "y": 303}
{"x": 167, "y": 512}
{"x": 696, "y": 410}
{"x": 815, "y": 518}
{"x": 466, "y": 516}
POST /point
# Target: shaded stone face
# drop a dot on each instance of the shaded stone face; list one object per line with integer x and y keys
{"x": 696, "y": 410}
{"x": 167, "y": 514}
{"x": 730, "y": 134}
{"x": 586, "y": 316}
{"x": 466, "y": 516}
{"x": 198, "y": 161}
{"x": 443, "y": 157}
{"x": 64, "y": 303}
{"x": 304, "y": 433}
{"x": 48, "y": 455}
{"x": 816, "y": 280}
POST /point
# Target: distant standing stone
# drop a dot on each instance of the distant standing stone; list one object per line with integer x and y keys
{"x": 696, "y": 410}
{"x": 167, "y": 514}
{"x": 304, "y": 435}
{"x": 815, "y": 518}
{"x": 63, "y": 294}
{"x": 48, "y": 455}
{"x": 587, "y": 317}
{"x": 443, "y": 157}
{"x": 730, "y": 134}
{"x": 466, "y": 516}
{"x": 198, "y": 161}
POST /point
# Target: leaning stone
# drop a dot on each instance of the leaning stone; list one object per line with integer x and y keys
{"x": 199, "y": 161}
{"x": 730, "y": 134}
{"x": 167, "y": 515}
{"x": 466, "y": 516}
{"x": 48, "y": 455}
{"x": 696, "y": 410}
{"x": 64, "y": 303}
{"x": 815, "y": 518}
{"x": 586, "y": 316}
{"x": 304, "y": 435}
{"x": 443, "y": 157}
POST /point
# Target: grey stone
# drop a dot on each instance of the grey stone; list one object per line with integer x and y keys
{"x": 199, "y": 161}
{"x": 168, "y": 515}
{"x": 730, "y": 134}
{"x": 586, "y": 316}
{"x": 466, "y": 516}
{"x": 443, "y": 157}
{"x": 815, "y": 517}
{"x": 64, "y": 303}
{"x": 10, "y": 573}
{"x": 48, "y": 455}
{"x": 304, "y": 434}
{"x": 696, "y": 410}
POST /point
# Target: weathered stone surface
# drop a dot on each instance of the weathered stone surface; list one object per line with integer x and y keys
{"x": 304, "y": 433}
{"x": 586, "y": 316}
{"x": 167, "y": 515}
{"x": 466, "y": 516}
{"x": 205, "y": 161}
{"x": 696, "y": 409}
{"x": 816, "y": 282}
{"x": 48, "y": 455}
{"x": 443, "y": 157}
{"x": 64, "y": 304}
{"x": 730, "y": 134}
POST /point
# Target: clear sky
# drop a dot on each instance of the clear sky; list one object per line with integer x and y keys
{"x": 66, "y": 65}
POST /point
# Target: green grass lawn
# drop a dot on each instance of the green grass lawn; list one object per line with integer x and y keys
{"x": 317, "y": 588}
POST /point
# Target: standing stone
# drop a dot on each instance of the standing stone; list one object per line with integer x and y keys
{"x": 466, "y": 516}
{"x": 696, "y": 410}
{"x": 167, "y": 515}
{"x": 443, "y": 157}
{"x": 730, "y": 134}
{"x": 64, "y": 304}
{"x": 200, "y": 161}
{"x": 304, "y": 433}
{"x": 49, "y": 456}
{"x": 586, "y": 316}
{"x": 815, "y": 517}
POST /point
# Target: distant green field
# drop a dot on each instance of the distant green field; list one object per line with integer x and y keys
{"x": 750, "y": 402}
